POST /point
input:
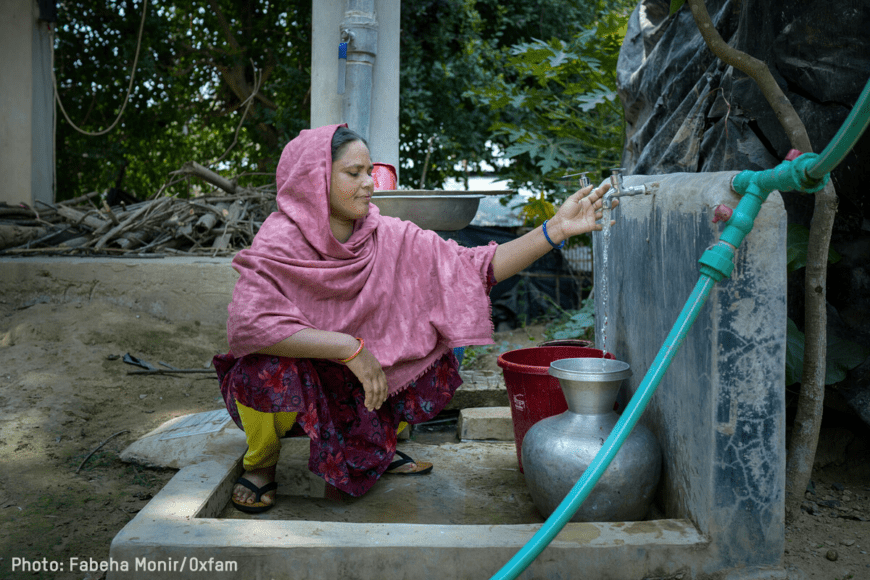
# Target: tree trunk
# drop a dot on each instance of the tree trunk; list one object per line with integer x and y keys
{"x": 808, "y": 421}
{"x": 805, "y": 434}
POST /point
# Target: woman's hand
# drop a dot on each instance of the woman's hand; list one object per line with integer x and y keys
{"x": 580, "y": 213}
{"x": 577, "y": 215}
{"x": 368, "y": 370}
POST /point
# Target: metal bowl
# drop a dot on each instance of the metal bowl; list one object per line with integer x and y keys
{"x": 430, "y": 211}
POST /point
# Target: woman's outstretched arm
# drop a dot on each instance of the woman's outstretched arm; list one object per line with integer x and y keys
{"x": 576, "y": 216}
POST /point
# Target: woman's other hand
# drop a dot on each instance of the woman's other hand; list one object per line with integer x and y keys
{"x": 580, "y": 212}
{"x": 368, "y": 370}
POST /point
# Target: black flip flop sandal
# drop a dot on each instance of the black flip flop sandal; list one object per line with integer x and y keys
{"x": 405, "y": 459}
{"x": 258, "y": 506}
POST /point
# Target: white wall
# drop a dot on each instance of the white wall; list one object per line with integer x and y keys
{"x": 26, "y": 105}
{"x": 16, "y": 97}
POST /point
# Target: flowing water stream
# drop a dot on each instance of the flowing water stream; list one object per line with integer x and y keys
{"x": 603, "y": 286}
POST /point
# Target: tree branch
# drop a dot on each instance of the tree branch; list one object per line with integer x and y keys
{"x": 757, "y": 70}
{"x": 225, "y": 26}
{"x": 234, "y": 75}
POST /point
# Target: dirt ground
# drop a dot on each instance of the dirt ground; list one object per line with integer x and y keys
{"x": 64, "y": 391}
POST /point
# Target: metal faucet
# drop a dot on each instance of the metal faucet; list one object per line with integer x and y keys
{"x": 584, "y": 181}
{"x": 618, "y": 188}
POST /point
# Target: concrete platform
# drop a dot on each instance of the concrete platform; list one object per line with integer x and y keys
{"x": 722, "y": 486}
{"x": 470, "y": 484}
{"x": 465, "y": 520}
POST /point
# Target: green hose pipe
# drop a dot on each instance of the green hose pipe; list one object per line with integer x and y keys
{"x": 787, "y": 176}
{"x": 849, "y": 133}
{"x": 744, "y": 215}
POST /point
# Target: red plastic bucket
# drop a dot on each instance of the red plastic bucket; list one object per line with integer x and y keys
{"x": 384, "y": 176}
{"x": 532, "y": 392}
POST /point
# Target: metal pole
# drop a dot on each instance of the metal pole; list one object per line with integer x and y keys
{"x": 359, "y": 30}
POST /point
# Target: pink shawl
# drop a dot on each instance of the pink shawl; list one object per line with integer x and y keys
{"x": 410, "y": 294}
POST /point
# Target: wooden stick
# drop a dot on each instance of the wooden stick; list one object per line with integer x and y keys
{"x": 207, "y": 175}
{"x": 169, "y": 371}
{"x": 80, "y": 198}
{"x": 14, "y": 234}
{"x": 127, "y": 222}
{"x": 109, "y": 211}
{"x": 78, "y": 217}
{"x": 100, "y": 446}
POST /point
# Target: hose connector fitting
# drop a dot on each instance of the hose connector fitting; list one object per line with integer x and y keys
{"x": 718, "y": 261}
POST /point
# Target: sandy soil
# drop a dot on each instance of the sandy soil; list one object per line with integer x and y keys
{"x": 64, "y": 390}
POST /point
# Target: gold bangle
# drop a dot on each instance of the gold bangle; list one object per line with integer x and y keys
{"x": 362, "y": 343}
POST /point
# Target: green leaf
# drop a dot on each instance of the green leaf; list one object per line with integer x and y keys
{"x": 561, "y": 96}
{"x": 583, "y": 319}
{"x": 676, "y": 5}
{"x": 520, "y": 148}
{"x": 797, "y": 241}
{"x": 841, "y": 356}
{"x": 549, "y": 162}
{"x": 558, "y": 59}
{"x": 797, "y": 244}
{"x": 594, "y": 98}
{"x": 536, "y": 210}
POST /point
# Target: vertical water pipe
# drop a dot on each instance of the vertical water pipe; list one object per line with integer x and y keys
{"x": 359, "y": 30}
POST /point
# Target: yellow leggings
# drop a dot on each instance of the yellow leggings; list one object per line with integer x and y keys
{"x": 264, "y": 432}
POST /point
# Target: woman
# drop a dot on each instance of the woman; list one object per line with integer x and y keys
{"x": 343, "y": 321}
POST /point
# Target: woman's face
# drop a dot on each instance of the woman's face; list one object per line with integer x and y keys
{"x": 350, "y": 188}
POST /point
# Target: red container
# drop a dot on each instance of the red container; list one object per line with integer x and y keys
{"x": 532, "y": 392}
{"x": 384, "y": 176}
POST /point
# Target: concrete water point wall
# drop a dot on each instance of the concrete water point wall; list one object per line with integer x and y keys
{"x": 719, "y": 412}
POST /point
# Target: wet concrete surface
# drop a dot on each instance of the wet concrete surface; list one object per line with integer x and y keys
{"x": 471, "y": 483}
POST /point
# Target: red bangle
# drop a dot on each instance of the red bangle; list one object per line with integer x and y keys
{"x": 362, "y": 343}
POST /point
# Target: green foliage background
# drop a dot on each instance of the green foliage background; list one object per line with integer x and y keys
{"x": 200, "y": 60}
{"x": 182, "y": 106}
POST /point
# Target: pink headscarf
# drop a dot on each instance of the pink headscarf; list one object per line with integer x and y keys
{"x": 410, "y": 294}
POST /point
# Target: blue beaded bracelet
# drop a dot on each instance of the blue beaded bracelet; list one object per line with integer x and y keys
{"x": 560, "y": 246}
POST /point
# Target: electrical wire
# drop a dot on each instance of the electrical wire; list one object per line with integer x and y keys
{"x": 129, "y": 88}
{"x": 258, "y": 82}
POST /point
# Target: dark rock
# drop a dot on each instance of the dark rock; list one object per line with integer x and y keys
{"x": 856, "y": 391}
{"x": 811, "y": 508}
{"x": 832, "y": 446}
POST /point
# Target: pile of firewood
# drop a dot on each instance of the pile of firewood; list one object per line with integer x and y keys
{"x": 218, "y": 223}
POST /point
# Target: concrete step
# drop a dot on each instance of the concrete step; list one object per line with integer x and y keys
{"x": 480, "y": 389}
{"x": 485, "y": 423}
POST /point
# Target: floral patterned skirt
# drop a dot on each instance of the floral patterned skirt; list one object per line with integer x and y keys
{"x": 351, "y": 447}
